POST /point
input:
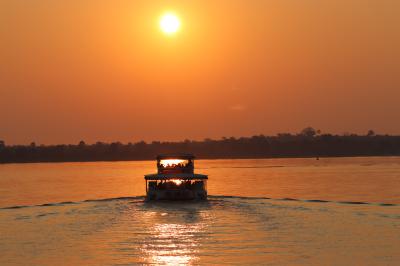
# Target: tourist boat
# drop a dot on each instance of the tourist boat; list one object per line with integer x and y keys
{"x": 175, "y": 179}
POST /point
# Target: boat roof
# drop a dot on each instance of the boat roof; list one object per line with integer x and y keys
{"x": 175, "y": 176}
{"x": 186, "y": 156}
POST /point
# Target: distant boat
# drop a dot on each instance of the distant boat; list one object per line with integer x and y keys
{"x": 175, "y": 179}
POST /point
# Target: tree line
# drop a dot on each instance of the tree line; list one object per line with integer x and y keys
{"x": 307, "y": 143}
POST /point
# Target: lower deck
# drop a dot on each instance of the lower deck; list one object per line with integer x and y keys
{"x": 176, "y": 189}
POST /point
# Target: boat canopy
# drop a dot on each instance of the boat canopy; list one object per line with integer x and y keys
{"x": 182, "y": 156}
{"x": 175, "y": 176}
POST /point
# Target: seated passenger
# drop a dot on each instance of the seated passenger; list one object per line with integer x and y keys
{"x": 152, "y": 185}
{"x": 198, "y": 185}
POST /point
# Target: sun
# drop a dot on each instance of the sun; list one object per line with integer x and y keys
{"x": 169, "y": 23}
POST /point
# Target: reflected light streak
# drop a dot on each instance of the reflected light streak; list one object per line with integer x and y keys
{"x": 173, "y": 244}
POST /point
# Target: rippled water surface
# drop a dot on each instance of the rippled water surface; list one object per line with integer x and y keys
{"x": 337, "y": 211}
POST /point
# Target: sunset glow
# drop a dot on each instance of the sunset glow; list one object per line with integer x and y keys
{"x": 199, "y": 132}
{"x": 113, "y": 71}
{"x": 171, "y": 162}
{"x": 177, "y": 181}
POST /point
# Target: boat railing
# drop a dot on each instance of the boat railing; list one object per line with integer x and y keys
{"x": 173, "y": 185}
{"x": 175, "y": 169}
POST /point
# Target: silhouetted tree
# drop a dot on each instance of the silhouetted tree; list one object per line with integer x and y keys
{"x": 309, "y": 132}
{"x": 370, "y": 133}
{"x": 308, "y": 143}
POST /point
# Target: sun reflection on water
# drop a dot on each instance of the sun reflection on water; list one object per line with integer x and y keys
{"x": 173, "y": 244}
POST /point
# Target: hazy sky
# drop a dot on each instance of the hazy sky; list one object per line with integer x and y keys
{"x": 95, "y": 70}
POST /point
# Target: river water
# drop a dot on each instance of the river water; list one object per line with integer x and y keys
{"x": 332, "y": 211}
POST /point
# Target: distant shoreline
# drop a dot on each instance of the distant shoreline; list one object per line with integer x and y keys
{"x": 304, "y": 145}
{"x": 226, "y": 158}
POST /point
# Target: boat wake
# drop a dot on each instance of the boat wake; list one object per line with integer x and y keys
{"x": 210, "y": 198}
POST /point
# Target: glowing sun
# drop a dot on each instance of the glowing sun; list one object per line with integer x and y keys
{"x": 169, "y": 23}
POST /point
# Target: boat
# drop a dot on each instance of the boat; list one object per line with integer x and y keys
{"x": 175, "y": 179}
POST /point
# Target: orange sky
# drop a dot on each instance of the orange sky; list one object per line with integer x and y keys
{"x": 102, "y": 70}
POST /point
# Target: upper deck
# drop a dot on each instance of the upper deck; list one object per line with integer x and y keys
{"x": 175, "y": 164}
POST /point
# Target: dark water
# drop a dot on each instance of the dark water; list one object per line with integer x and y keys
{"x": 340, "y": 211}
